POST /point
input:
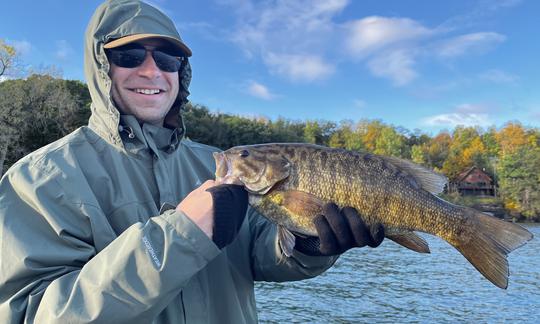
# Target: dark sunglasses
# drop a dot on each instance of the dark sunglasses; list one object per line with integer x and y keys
{"x": 131, "y": 56}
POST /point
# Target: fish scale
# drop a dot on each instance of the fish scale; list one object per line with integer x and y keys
{"x": 289, "y": 183}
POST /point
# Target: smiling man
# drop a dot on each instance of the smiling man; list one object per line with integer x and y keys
{"x": 146, "y": 92}
{"x": 120, "y": 221}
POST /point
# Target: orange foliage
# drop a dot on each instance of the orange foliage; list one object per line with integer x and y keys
{"x": 512, "y": 137}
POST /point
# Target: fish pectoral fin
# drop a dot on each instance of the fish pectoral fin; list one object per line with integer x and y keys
{"x": 411, "y": 241}
{"x": 302, "y": 203}
{"x": 286, "y": 240}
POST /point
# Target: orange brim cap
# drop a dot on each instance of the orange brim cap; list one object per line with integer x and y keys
{"x": 132, "y": 38}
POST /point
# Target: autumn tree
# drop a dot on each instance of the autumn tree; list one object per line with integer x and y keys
{"x": 463, "y": 140}
{"x": 8, "y": 57}
{"x": 511, "y": 137}
{"x": 475, "y": 153}
{"x": 391, "y": 143}
{"x": 383, "y": 139}
{"x": 434, "y": 152}
{"x": 346, "y": 136}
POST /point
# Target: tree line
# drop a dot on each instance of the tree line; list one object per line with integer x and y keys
{"x": 40, "y": 109}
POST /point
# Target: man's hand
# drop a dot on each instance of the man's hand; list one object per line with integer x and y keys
{"x": 199, "y": 207}
{"x": 339, "y": 231}
{"x": 218, "y": 210}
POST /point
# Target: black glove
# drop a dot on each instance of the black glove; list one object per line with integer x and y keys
{"x": 339, "y": 231}
{"x": 230, "y": 205}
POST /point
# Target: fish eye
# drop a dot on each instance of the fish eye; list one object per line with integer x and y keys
{"x": 244, "y": 153}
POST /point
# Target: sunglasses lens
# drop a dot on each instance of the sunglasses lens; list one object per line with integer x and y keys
{"x": 131, "y": 57}
{"x": 166, "y": 62}
{"x": 128, "y": 58}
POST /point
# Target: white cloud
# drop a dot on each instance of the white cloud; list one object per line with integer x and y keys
{"x": 22, "y": 47}
{"x": 375, "y": 33}
{"x": 260, "y": 91}
{"x": 64, "y": 51}
{"x": 478, "y": 13}
{"x": 496, "y": 5}
{"x": 466, "y": 114}
{"x": 474, "y": 42}
{"x": 468, "y": 108}
{"x": 498, "y": 76}
{"x": 303, "y": 41}
{"x": 359, "y": 103}
{"x": 455, "y": 119}
{"x": 278, "y": 31}
{"x": 3, "y": 78}
{"x": 395, "y": 65}
{"x": 299, "y": 67}
{"x": 535, "y": 115}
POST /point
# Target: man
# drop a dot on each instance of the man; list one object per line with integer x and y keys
{"x": 121, "y": 222}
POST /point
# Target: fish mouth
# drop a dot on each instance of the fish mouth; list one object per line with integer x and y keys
{"x": 223, "y": 168}
{"x": 224, "y": 171}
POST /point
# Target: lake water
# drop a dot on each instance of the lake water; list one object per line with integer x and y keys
{"x": 391, "y": 284}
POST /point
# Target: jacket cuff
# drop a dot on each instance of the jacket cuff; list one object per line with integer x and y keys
{"x": 189, "y": 231}
{"x": 315, "y": 262}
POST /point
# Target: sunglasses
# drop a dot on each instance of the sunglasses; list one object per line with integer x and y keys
{"x": 131, "y": 56}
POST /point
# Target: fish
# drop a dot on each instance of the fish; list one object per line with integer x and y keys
{"x": 289, "y": 183}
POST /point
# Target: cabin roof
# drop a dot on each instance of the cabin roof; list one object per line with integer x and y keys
{"x": 473, "y": 172}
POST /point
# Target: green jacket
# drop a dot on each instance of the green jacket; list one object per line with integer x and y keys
{"x": 82, "y": 236}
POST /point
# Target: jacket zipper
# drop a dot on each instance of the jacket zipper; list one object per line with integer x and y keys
{"x": 128, "y": 130}
{"x": 183, "y": 306}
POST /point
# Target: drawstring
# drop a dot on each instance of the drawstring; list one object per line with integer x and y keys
{"x": 128, "y": 129}
{"x": 169, "y": 148}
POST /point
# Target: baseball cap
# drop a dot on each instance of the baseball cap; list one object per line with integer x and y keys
{"x": 132, "y": 38}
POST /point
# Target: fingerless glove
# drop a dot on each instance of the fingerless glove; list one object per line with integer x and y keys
{"x": 230, "y": 206}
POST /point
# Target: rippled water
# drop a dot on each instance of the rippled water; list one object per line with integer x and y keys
{"x": 391, "y": 284}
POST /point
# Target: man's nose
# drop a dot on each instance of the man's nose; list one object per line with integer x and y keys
{"x": 148, "y": 67}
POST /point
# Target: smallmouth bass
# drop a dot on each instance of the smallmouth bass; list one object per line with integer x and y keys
{"x": 290, "y": 182}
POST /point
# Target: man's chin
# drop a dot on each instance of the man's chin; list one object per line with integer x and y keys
{"x": 150, "y": 118}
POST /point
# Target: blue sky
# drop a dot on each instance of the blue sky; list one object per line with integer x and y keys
{"x": 420, "y": 64}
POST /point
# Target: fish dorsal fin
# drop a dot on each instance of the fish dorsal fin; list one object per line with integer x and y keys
{"x": 302, "y": 203}
{"x": 410, "y": 240}
{"x": 427, "y": 179}
{"x": 286, "y": 240}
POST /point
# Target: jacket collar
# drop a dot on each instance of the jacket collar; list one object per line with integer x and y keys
{"x": 147, "y": 137}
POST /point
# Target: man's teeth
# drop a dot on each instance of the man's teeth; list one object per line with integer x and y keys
{"x": 147, "y": 91}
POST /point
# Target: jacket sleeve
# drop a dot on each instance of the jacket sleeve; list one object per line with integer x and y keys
{"x": 51, "y": 270}
{"x": 268, "y": 261}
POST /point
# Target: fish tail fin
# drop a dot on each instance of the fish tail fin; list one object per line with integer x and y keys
{"x": 491, "y": 242}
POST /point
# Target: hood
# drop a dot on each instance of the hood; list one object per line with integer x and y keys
{"x": 112, "y": 20}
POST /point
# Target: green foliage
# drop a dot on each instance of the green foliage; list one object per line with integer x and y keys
{"x": 37, "y": 111}
{"x": 318, "y": 132}
{"x": 224, "y": 131}
{"x": 519, "y": 180}
{"x": 346, "y": 136}
{"x": 391, "y": 143}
